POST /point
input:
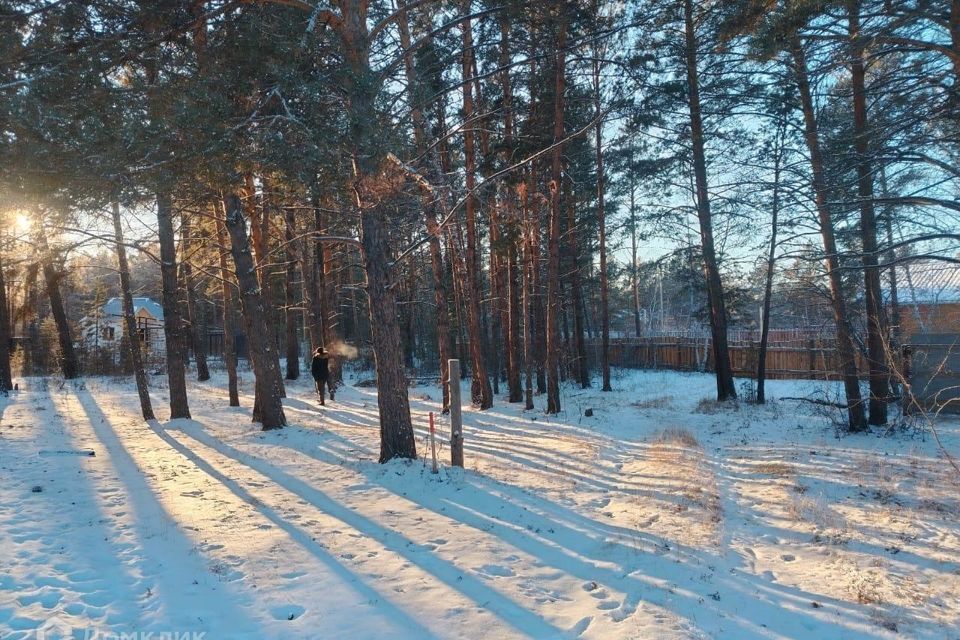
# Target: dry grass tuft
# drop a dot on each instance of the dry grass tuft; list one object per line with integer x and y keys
{"x": 660, "y": 402}
{"x": 711, "y": 406}
{"x": 865, "y": 587}
{"x": 782, "y": 469}
{"x": 677, "y": 436}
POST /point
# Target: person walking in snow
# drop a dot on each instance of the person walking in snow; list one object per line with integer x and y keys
{"x": 320, "y": 369}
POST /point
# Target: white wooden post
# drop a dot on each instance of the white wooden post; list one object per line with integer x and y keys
{"x": 456, "y": 418}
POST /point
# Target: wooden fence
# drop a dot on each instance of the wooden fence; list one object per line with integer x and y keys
{"x": 786, "y": 359}
{"x": 934, "y": 371}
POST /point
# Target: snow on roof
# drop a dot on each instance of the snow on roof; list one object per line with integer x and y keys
{"x": 928, "y": 282}
{"x": 113, "y": 307}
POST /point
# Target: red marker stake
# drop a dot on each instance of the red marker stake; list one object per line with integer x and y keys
{"x": 433, "y": 445}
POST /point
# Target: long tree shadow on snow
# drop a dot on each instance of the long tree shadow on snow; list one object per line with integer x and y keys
{"x": 149, "y": 509}
{"x": 460, "y": 581}
{"x": 303, "y": 538}
{"x": 690, "y": 565}
{"x": 582, "y": 547}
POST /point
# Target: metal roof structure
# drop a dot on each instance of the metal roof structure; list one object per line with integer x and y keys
{"x": 113, "y": 307}
{"x": 927, "y": 282}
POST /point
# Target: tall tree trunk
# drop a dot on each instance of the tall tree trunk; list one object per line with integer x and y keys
{"x": 69, "y": 365}
{"x": 6, "y": 375}
{"x": 576, "y": 302}
{"x": 408, "y": 312}
{"x": 195, "y": 321}
{"x": 326, "y": 291}
{"x": 848, "y": 364}
{"x": 229, "y": 310}
{"x": 260, "y": 242}
{"x": 289, "y": 290}
{"x": 457, "y": 277}
{"x": 873, "y": 295}
{"x": 954, "y": 25}
{"x": 172, "y": 326}
{"x": 480, "y": 392}
{"x": 528, "y": 268}
{"x": 396, "y": 428}
{"x": 634, "y": 283}
{"x": 726, "y": 390}
{"x": 440, "y": 301}
{"x": 771, "y": 263}
{"x": 553, "y": 245}
{"x": 129, "y": 318}
{"x": 513, "y": 325}
{"x": 512, "y": 308}
{"x": 602, "y": 234}
{"x": 429, "y": 205}
{"x": 537, "y": 306}
{"x": 895, "y": 330}
{"x": 266, "y": 368}
{"x": 312, "y": 266}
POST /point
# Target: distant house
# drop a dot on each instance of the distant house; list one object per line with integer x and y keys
{"x": 105, "y": 328}
{"x": 928, "y": 293}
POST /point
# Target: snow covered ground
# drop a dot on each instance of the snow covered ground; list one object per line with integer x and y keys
{"x": 662, "y": 516}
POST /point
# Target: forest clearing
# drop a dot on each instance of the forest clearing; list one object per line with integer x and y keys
{"x": 664, "y": 515}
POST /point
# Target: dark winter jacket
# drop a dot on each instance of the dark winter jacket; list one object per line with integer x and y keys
{"x": 320, "y": 366}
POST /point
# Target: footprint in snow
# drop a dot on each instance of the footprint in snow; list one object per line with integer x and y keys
{"x": 287, "y": 612}
{"x": 607, "y": 605}
{"x": 97, "y": 599}
{"x": 495, "y": 570}
{"x": 580, "y": 628}
{"x": 293, "y": 575}
{"x": 624, "y": 612}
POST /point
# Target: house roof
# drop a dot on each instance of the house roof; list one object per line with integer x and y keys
{"x": 113, "y": 307}
{"x": 928, "y": 282}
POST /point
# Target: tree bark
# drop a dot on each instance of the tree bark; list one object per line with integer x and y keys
{"x": 327, "y": 296}
{"x": 954, "y": 25}
{"x": 873, "y": 295}
{"x": 771, "y": 263}
{"x": 634, "y": 283}
{"x": 553, "y": 245}
{"x": 266, "y": 368}
{"x": 512, "y": 315}
{"x": 172, "y": 326}
{"x": 513, "y": 326}
{"x": 69, "y": 365}
{"x": 396, "y": 428}
{"x": 229, "y": 310}
{"x": 726, "y": 390}
{"x": 6, "y": 375}
{"x": 576, "y": 293}
{"x": 481, "y": 394}
{"x": 195, "y": 321}
{"x": 528, "y": 268}
{"x": 532, "y": 200}
{"x": 289, "y": 290}
{"x": 894, "y": 327}
{"x": 429, "y": 203}
{"x": 602, "y": 235}
{"x": 312, "y": 266}
{"x": 129, "y": 318}
{"x": 848, "y": 365}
